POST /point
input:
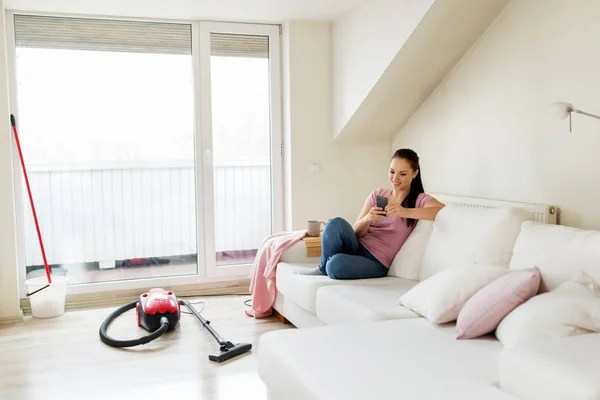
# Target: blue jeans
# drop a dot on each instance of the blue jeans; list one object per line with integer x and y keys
{"x": 344, "y": 257}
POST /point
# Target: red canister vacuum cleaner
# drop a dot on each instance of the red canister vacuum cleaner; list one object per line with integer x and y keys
{"x": 159, "y": 311}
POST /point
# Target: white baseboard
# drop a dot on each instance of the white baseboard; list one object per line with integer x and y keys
{"x": 109, "y": 299}
{"x": 16, "y": 319}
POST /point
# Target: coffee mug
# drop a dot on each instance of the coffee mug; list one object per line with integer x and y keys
{"x": 313, "y": 228}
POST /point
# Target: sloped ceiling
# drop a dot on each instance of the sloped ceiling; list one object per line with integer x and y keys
{"x": 442, "y": 37}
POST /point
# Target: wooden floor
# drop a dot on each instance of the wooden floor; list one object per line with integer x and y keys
{"x": 63, "y": 357}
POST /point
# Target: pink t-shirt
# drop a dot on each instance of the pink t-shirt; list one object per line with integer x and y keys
{"x": 385, "y": 237}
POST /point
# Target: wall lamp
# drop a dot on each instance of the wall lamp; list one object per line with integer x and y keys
{"x": 563, "y": 110}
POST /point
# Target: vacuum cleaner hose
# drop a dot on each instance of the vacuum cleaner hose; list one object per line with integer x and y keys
{"x": 164, "y": 326}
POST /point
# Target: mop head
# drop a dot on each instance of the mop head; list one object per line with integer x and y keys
{"x": 230, "y": 350}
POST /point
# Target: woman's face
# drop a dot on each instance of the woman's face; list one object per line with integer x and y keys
{"x": 401, "y": 174}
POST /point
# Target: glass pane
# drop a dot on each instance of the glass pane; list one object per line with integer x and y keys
{"x": 108, "y": 139}
{"x": 241, "y": 148}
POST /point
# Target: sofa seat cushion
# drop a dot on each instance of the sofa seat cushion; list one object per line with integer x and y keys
{"x": 396, "y": 359}
{"x": 302, "y": 289}
{"x": 351, "y": 304}
{"x": 555, "y": 369}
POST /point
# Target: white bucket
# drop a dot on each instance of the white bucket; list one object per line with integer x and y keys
{"x": 49, "y": 302}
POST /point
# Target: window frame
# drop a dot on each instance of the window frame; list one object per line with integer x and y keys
{"x": 207, "y": 270}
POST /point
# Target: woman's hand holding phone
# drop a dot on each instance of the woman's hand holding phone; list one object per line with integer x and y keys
{"x": 378, "y": 211}
{"x": 368, "y": 215}
{"x": 375, "y": 213}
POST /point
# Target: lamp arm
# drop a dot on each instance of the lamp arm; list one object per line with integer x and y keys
{"x": 585, "y": 113}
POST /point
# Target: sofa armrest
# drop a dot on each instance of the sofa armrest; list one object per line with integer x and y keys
{"x": 296, "y": 254}
{"x": 553, "y": 369}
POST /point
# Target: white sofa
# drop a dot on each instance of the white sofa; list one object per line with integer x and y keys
{"x": 352, "y": 300}
{"x": 356, "y": 342}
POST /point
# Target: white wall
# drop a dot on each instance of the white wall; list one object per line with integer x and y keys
{"x": 347, "y": 173}
{"x": 485, "y": 131}
{"x": 365, "y": 41}
{"x": 9, "y": 291}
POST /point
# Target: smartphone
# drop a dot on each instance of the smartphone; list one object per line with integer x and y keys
{"x": 382, "y": 202}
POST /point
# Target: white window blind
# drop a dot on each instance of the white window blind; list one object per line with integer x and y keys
{"x": 69, "y": 33}
{"x": 102, "y": 35}
{"x": 237, "y": 45}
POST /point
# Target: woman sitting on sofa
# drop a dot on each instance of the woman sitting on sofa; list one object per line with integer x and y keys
{"x": 367, "y": 249}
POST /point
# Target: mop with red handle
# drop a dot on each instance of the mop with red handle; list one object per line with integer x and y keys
{"x": 37, "y": 226}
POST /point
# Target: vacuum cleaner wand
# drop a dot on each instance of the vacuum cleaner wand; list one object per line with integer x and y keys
{"x": 227, "y": 350}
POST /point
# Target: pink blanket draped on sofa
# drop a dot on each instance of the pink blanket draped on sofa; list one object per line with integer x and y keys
{"x": 262, "y": 279}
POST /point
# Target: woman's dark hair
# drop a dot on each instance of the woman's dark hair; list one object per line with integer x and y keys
{"x": 416, "y": 186}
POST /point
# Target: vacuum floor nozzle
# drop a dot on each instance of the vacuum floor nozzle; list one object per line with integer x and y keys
{"x": 230, "y": 350}
{"x": 227, "y": 349}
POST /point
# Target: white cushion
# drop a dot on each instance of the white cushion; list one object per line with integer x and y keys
{"x": 280, "y": 301}
{"x": 302, "y": 289}
{"x": 556, "y": 369}
{"x": 384, "y": 360}
{"x": 441, "y": 297}
{"x": 358, "y": 304}
{"x": 558, "y": 251}
{"x": 299, "y": 316}
{"x": 464, "y": 235}
{"x": 407, "y": 262}
{"x": 571, "y": 309}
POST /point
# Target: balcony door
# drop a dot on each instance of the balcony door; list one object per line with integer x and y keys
{"x": 241, "y": 80}
{"x": 152, "y": 147}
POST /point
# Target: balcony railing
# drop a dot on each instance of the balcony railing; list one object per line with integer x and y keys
{"x": 107, "y": 212}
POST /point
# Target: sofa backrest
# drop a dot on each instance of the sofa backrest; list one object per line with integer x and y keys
{"x": 466, "y": 236}
{"x": 558, "y": 251}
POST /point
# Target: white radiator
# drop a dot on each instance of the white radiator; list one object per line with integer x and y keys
{"x": 546, "y": 214}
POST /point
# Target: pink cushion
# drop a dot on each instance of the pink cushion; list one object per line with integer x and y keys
{"x": 484, "y": 311}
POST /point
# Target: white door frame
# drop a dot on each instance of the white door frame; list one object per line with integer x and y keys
{"x": 17, "y": 172}
{"x": 207, "y": 269}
